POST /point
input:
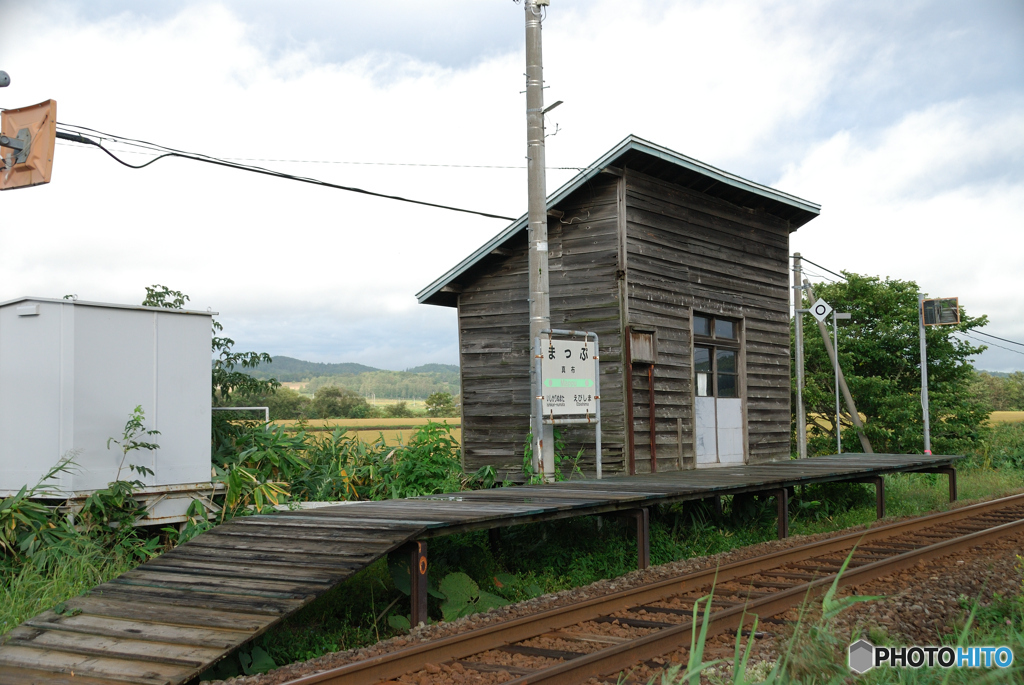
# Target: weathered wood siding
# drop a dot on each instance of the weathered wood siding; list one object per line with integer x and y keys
{"x": 494, "y": 327}
{"x": 688, "y": 252}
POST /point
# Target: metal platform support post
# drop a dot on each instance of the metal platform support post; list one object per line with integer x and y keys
{"x": 879, "y": 497}
{"x": 643, "y": 537}
{"x": 494, "y": 540}
{"x": 782, "y": 510}
{"x": 879, "y": 483}
{"x": 642, "y": 519}
{"x": 948, "y": 471}
{"x": 951, "y": 472}
{"x": 418, "y": 582}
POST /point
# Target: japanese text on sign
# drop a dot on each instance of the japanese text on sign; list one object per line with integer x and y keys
{"x": 568, "y": 372}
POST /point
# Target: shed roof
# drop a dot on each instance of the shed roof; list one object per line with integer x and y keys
{"x": 660, "y": 162}
{"x": 108, "y": 305}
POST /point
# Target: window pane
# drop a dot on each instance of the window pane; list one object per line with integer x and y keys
{"x": 726, "y": 385}
{"x": 701, "y": 325}
{"x": 702, "y": 384}
{"x": 702, "y": 359}
{"x": 726, "y": 361}
{"x": 725, "y": 329}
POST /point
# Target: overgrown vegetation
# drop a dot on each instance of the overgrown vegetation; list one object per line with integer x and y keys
{"x": 999, "y": 392}
{"x": 880, "y": 357}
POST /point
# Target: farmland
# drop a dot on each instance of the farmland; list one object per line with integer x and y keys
{"x": 394, "y": 431}
{"x": 1006, "y": 417}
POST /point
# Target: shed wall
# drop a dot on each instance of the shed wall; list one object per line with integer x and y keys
{"x": 686, "y": 252}
{"x": 493, "y": 325}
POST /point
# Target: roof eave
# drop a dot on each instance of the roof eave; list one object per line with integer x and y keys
{"x": 631, "y": 142}
{"x": 109, "y": 305}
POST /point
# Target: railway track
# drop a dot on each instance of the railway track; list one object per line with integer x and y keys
{"x": 600, "y": 637}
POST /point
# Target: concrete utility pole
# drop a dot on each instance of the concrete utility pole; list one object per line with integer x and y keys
{"x": 850, "y": 406}
{"x": 540, "y": 308}
{"x": 798, "y": 305}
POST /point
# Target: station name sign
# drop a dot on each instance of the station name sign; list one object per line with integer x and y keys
{"x": 568, "y": 374}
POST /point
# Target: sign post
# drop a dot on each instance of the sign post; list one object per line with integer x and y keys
{"x": 570, "y": 379}
{"x": 937, "y": 312}
{"x": 821, "y": 310}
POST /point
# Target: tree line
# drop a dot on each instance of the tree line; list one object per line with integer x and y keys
{"x": 333, "y": 402}
{"x": 1003, "y": 392}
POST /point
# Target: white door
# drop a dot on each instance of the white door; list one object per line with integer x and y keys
{"x": 729, "y": 415}
{"x": 705, "y": 436}
{"x": 718, "y": 410}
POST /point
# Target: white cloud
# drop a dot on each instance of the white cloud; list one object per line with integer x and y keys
{"x": 936, "y": 198}
{"x": 331, "y": 276}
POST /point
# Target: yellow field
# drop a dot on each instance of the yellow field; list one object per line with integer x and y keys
{"x": 994, "y": 417}
{"x": 395, "y": 431}
{"x": 367, "y": 424}
{"x": 396, "y": 437}
{"x": 1006, "y": 417}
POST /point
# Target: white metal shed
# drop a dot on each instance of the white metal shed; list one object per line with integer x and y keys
{"x": 71, "y": 372}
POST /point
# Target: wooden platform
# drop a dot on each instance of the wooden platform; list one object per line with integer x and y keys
{"x": 171, "y": 618}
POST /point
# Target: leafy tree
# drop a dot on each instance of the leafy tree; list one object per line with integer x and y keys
{"x": 283, "y": 403}
{"x": 226, "y": 379}
{"x": 332, "y": 402}
{"x": 879, "y": 352}
{"x": 441, "y": 404}
{"x": 398, "y": 410}
{"x": 1000, "y": 393}
{"x": 161, "y": 296}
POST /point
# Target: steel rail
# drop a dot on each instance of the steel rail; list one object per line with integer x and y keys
{"x": 624, "y": 655}
{"x": 407, "y": 659}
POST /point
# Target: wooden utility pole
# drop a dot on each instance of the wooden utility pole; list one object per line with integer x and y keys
{"x": 798, "y": 316}
{"x": 847, "y": 397}
{"x": 540, "y": 308}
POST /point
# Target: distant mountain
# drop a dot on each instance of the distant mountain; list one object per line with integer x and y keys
{"x": 997, "y": 374}
{"x": 435, "y": 368}
{"x": 291, "y": 369}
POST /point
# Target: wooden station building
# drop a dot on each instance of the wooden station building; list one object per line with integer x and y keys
{"x": 683, "y": 271}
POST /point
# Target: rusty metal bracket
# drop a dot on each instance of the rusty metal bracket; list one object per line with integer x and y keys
{"x": 949, "y": 471}
{"x": 879, "y": 483}
{"x": 418, "y": 594}
{"x": 642, "y": 520}
{"x": 782, "y": 511}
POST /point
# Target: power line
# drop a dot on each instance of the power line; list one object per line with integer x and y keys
{"x": 164, "y": 151}
{"x": 985, "y": 342}
{"x": 817, "y": 275}
{"x": 821, "y": 267}
{"x": 989, "y": 335}
{"x": 402, "y": 164}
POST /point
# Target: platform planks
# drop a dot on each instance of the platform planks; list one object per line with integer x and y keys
{"x": 168, "y": 620}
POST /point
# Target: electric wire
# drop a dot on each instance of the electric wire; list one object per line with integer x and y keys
{"x": 989, "y": 335}
{"x": 821, "y": 267}
{"x": 985, "y": 342}
{"x": 401, "y": 164}
{"x": 817, "y": 275}
{"x": 164, "y": 151}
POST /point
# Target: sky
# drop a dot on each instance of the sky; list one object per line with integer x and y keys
{"x": 905, "y": 121}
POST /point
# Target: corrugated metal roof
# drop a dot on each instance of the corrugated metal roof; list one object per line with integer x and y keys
{"x": 109, "y": 305}
{"x": 800, "y": 208}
